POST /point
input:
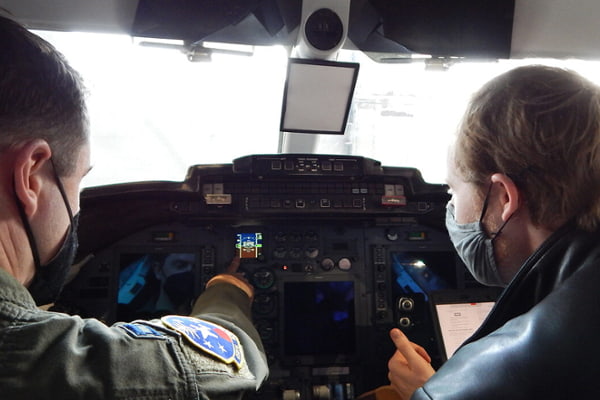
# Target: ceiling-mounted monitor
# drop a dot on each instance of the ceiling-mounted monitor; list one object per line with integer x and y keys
{"x": 317, "y": 96}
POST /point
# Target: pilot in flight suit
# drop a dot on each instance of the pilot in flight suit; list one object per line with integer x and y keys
{"x": 56, "y": 356}
{"x": 44, "y": 154}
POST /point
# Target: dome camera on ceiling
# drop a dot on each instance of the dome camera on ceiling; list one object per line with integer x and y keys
{"x": 323, "y": 28}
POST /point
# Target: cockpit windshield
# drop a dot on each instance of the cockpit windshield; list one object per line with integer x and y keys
{"x": 156, "y": 110}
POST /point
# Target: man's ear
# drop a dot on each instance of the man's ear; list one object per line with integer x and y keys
{"x": 509, "y": 195}
{"x": 28, "y": 173}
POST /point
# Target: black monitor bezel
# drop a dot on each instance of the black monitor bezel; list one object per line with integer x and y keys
{"x": 317, "y": 360}
{"x": 284, "y": 127}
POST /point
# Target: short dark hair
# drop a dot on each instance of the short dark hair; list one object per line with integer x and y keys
{"x": 41, "y": 96}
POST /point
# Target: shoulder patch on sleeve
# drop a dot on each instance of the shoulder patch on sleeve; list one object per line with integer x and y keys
{"x": 209, "y": 337}
{"x": 143, "y": 331}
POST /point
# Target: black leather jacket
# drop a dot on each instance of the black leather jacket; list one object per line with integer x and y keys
{"x": 542, "y": 339}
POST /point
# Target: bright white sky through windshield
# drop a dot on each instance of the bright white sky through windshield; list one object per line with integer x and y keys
{"x": 153, "y": 113}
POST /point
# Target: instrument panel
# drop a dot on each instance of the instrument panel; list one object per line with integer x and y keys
{"x": 339, "y": 249}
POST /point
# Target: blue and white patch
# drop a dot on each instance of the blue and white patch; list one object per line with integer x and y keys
{"x": 141, "y": 331}
{"x": 211, "y": 338}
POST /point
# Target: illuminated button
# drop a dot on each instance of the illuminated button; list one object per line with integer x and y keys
{"x": 344, "y": 264}
{"x": 325, "y": 203}
{"x": 212, "y": 198}
{"x": 394, "y": 201}
{"x": 418, "y": 235}
{"x": 163, "y": 236}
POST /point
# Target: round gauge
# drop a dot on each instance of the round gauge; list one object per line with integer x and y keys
{"x": 263, "y": 304}
{"x": 263, "y": 278}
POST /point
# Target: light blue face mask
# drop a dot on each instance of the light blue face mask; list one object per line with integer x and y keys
{"x": 474, "y": 247}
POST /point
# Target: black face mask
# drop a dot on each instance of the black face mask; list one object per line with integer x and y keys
{"x": 49, "y": 279}
{"x": 179, "y": 287}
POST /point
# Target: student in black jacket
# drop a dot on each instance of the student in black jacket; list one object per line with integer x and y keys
{"x": 524, "y": 174}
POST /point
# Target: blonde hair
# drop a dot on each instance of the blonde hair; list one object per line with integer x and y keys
{"x": 540, "y": 126}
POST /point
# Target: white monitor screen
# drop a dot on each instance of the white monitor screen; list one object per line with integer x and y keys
{"x": 459, "y": 321}
{"x": 317, "y": 96}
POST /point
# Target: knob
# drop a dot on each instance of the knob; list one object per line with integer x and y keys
{"x": 311, "y": 252}
{"x": 327, "y": 264}
{"x": 345, "y": 264}
{"x": 404, "y": 322}
{"x": 406, "y": 304}
{"x": 263, "y": 278}
{"x": 392, "y": 234}
{"x": 263, "y": 304}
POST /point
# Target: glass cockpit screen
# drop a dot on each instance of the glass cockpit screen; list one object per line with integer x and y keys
{"x": 249, "y": 245}
{"x": 319, "y": 318}
{"x": 155, "y": 284}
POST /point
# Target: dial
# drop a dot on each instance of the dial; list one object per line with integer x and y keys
{"x": 263, "y": 278}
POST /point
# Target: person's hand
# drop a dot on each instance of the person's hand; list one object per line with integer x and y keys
{"x": 233, "y": 277}
{"x": 410, "y": 366}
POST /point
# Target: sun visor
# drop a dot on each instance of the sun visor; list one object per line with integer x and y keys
{"x": 461, "y": 28}
{"x": 197, "y": 20}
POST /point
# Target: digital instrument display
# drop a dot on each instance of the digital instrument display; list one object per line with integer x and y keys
{"x": 249, "y": 245}
{"x": 319, "y": 318}
{"x": 421, "y": 272}
{"x": 155, "y": 284}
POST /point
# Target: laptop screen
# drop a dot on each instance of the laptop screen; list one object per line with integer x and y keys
{"x": 457, "y": 314}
